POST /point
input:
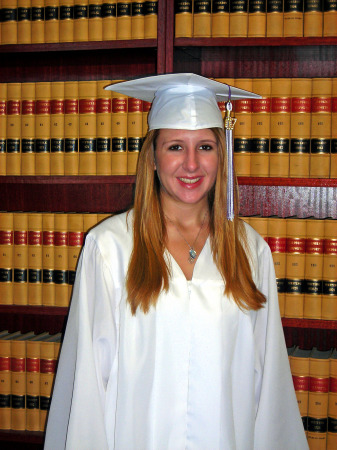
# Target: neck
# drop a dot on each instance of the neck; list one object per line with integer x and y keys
{"x": 183, "y": 214}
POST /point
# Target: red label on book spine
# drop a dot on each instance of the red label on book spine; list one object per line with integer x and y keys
{"x": 48, "y": 237}
{"x": 5, "y": 364}
{"x": 88, "y": 106}
{"x": 277, "y": 244}
{"x": 301, "y": 383}
{"x": 34, "y": 237}
{"x": 301, "y": 105}
{"x": 119, "y": 105}
{"x": 33, "y": 365}
{"x": 18, "y": 364}
{"x": 20, "y": 237}
{"x": 71, "y": 106}
{"x": 243, "y": 106}
{"x": 61, "y": 238}
{"x": 314, "y": 245}
{"x": 28, "y": 107}
{"x": 13, "y": 107}
{"x": 135, "y": 105}
{"x": 75, "y": 238}
{"x": 43, "y": 107}
{"x": 296, "y": 245}
{"x": 261, "y": 105}
{"x": 103, "y": 105}
{"x": 319, "y": 384}
{"x": 321, "y": 104}
{"x": 334, "y": 105}
{"x": 6, "y": 237}
{"x": 47, "y": 365}
{"x": 330, "y": 246}
{"x": 222, "y": 106}
{"x": 333, "y": 385}
{"x": 280, "y": 105}
{"x": 3, "y": 111}
{"x": 146, "y": 106}
{"x": 57, "y": 106}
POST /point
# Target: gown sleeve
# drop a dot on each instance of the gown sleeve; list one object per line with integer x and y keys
{"x": 278, "y": 424}
{"x": 78, "y": 411}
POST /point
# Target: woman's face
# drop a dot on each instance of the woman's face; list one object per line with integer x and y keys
{"x": 187, "y": 164}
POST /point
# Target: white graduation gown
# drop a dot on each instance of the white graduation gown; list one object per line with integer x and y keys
{"x": 196, "y": 372}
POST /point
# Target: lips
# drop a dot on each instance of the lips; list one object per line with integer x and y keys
{"x": 189, "y": 180}
{"x": 190, "y": 183}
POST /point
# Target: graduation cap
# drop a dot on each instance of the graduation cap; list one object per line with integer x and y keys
{"x": 187, "y": 101}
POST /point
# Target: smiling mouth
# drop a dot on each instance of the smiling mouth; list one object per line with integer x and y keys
{"x": 189, "y": 180}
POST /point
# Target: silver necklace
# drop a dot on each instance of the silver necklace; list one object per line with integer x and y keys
{"x": 192, "y": 253}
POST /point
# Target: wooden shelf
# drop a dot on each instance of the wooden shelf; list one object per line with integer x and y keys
{"x": 33, "y": 437}
{"x": 254, "y": 42}
{"x": 310, "y": 323}
{"x": 307, "y": 182}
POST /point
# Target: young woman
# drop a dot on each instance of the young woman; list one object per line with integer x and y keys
{"x": 174, "y": 339}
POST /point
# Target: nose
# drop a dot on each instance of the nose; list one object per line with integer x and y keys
{"x": 191, "y": 159}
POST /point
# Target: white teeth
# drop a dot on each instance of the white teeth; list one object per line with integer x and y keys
{"x": 189, "y": 180}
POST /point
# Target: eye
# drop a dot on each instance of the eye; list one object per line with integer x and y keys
{"x": 206, "y": 147}
{"x": 175, "y": 147}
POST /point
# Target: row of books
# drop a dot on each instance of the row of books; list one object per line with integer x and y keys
{"x": 27, "y": 371}
{"x": 315, "y": 381}
{"x": 305, "y": 259}
{"x": 39, "y": 254}
{"x": 50, "y": 21}
{"x": 255, "y": 18}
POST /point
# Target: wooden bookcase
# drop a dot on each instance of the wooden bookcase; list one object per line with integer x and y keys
{"x": 218, "y": 58}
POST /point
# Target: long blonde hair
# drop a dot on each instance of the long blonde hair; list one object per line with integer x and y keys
{"x": 148, "y": 273}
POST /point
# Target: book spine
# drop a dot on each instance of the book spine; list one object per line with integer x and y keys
{"x": 5, "y": 385}
{"x": 150, "y": 19}
{"x": 76, "y": 236}
{"x": 329, "y": 18}
{"x": 202, "y": 18}
{"x": 9, "y": 25}
{"x": 119, "y": 130}
{"x": 89, "y": 221}
{"x": 24, "y": 25}
{"x": 52, "y": 21}
{"x": 313, "y": 18}
{"x": 87, "y": 127}
{"x": 71, "y": 128}
{"x": 18, "y": 385}
{"x": 103, "y": 129}
{"x": 61, "y": 260}
{"x": 293, "y": 18}
{"x": 33, "y": 386}
{"x": 38, "y": 16}
{"x": 300, "y": 374}
{"x": 48, "y": 256}
{"x": 332, "y": 407}
{"x": 109, "y": 20}
{"x": 13, "y": 160}
{"x": 220, "y": 18}
{"x": 124, "y": 19}
{"x": 66, "y": 20}
{"x": 20, "y": 259}
{"x": 81, "y": 20}
{"x": 6, "y": 258}
{"x": 183, "y": 18}
{"x": 137, "y": 19}
{"x": 95, "y": 24}
{"x": 257, "y": 18}
{"x": 42, "y": 128}
{"x": 274, "y": 18}
{"x": 57, "y": 129}
{"x": 3, "y": 126}
{"x": 28, "y": 129}
{"x": 329, "y": 306}
{"x": 135, "y": 133}
{"x": 47, "y": 374}
{"x": 333, "y": 163}
{"x": 146, "y": 109}
{"x": 35, "y": 241}
{"x": 238, "y": 18}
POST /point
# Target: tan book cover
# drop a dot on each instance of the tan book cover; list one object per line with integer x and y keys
{"x": 150, "y": 19}
{"x": 137, "y": 19}
{"x": 48, "y": 256}
{"x": 332, "y": 407}
{"x": 300, "y": 127}
{"x": 81, "y": 20}
{"x": 274, "y": 18}
{"x": 257, "y": 18}
{"x": 9, "y": 25}
{"x": 333, "y": 162}
{"x": 76, "y": 236}
{"x": 183, "y": 18}
{"x": 20, "y": 259}
{"x": 103, "y": 128}
{"x": 28, "y": 129}
{"x": 3, "y": 127}
{"x": 314, "y": 269}
{"x": 57, "y": 128}
{"x": 87, "y": 91}
{"x": 299, "y": 366}
{"x": 35, "y": 250}
{"x": 135, "y": 133}
{"x": 42, "y": 128}
{"x": 119, "y": 133}
{"x": 38, "y": 15}
{"x": 329, "y": 304}
{"x": 61, "y": 259}
{"x": 293, "y": 18}
{"x": 330, "y": 18}
{"x": 202, "y": 18}
{"x": 260, "y": 225}
{"x": 13, "y": 130}
{"x": 259, "y": 161}
{"x": 146, "y": 109}
{"x": 89, "y": 221}
{"x": 24, "y": 22}
{"x": 95, "y": 24}
{"x": 124, "y": 19}
{"x": 280, "y": 127}
{"x": 321, "y": 109}
{"x": 109, "y": 20}
{"x": 238, "y": 18}
{"x": 71, "y": 128}
{"x": 66, "y": 20}
{"x": 313, "y": 18}
{"x": 220, "y": 18}
{"x": 6, "y": 258}
{"x": 51, "y": 21}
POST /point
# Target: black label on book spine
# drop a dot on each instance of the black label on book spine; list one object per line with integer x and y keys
{"x": 18, "y": 401}
{"x": 220, "y": 6}
{"x": 103, "y": 145}
{"x": 28, "y": 145}
{"x": 202, "y": 6}
{"x": 317, "y": 425}
{"x": 20, "y": 275}
{"x": 71, "y": 277}
{"x": 44, "y": 403}
{"x": 87, "y": 145}
{"x": 6, "y": 276}
{"x": 5, "y": 401}
{"x": 135, "y": 144}
{"x": 330, "y": 5}
{"x": 118, "y": 144}
{"x": 2, "y": 145}
{"x": 260, "y": 145}
{"x": 37, "y": 13}
{"x": 257, "y": 6}
{"x": 274, "y": 6}
{"x": 60, "y": 276}
{"x": 295, "y": 6}
{"x": 334, "y": 146}
{"x": 313, "y": 6}
{"x": 313, "y": 287}
{"x": 42, "y": 145}
{"x": 279, "y": 145}
{"x": 34, "y": 275}
{"x": 183, "y": 6}
{"x": 71, "y": 145}
{"x": 9, "y": 15}
{"x": 57, "y": 145}
{"x": 332, "y": 425}
{"x": 137, "y": 9}
{"x": 320, "y": 145}
{"x": 238, "y": 6}
{"x": 242, "y": 145}
{"x": 305, "y": 422}
{"x": 66, "y": 12}
{"x": 329, "y": 287}
{"x": 123, "y": 9}
{"x": 109, "y": 10}
{"x": 151, "y": 8}
{"x": 95, "y": 11}
{"x": 32, "y": 402}
{"x": 299, "y": 145}
{"x": 24, "y": 14}
{"x": 13, "y": 145}
{"x": 51, "y": 13}
{"x": 48, "y": 276}
{"x": 295, "y": 286}
{"x": 80, "y": 11}
{"x": 281, "y": 285}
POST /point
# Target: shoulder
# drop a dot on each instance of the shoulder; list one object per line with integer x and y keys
{"x": 256, "y": 243}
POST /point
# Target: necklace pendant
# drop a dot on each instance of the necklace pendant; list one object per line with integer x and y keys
{"x": 193, "y": 255}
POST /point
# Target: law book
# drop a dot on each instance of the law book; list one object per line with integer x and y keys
{"x": 259, "y": 160}
{"x": 320, "y": 127}
{"x": 13, "y": 129}
{"x": 103, "y": 128}
{"x": 300, "y": 124}
{"x": 102, "y": 216}
{"x": 81, "y": 20}
{"x": 57, "y": 128}
{"x": 123, "y": 20}
{"x": 76, "y": 236}
{"x": 49, "y": 352}
{"x": 238, "y": 18}
{"x": 274, "y": 18}
{"x": 37, "y": 22}
{"x": 146, "y": 109}
{"x": 295, "y": 268}
{"x": 137, "y": 19}
{"x": 87, "y": 91}
{"x": 313, "y": 18}
{"x": 243, "y": 129}
{"x": 42, "y": 128}
{"x": 20, "y": 259}
{"x": 71, "y": 128}
{"x": 260, "y": 225}
{"x": 33, "y": 381}
{"x": 319, "y": 369}
{"x": 51, "y": 21}
{"x": 24, "y": 26}
{"x": 329, "y": 18}
{"x": 89, "y": 221}
{"x": 300, "y": 370}
{"x": 95, "y": 24}
{"x": 6, "y": 258}
{"x": 109, "y": 20}
{"x": 280, "y": 127}
{"x": 277, "y": 240}
{"x": 66, "y": 20}
{"x": 220, "y": 18}
{"x": 333, "y": 158}
{"x": 5, "y": 379}
{"x": 329, "y": 304}
{"x": 28, "y": 129}
{"x": 332, "y": 406}
{"x": 35, "y": 251}
{"x": 257, "y": 18}
{"x": 119, "y": 133}
{"x": 3, "y": 126}
{"x": 61, "y": 259}
{"x": 150, "y": 19}
{"x": 135, "y": 132}
{"x": 202, "y": 18}
{"x": 314, "y": 269}
{"x": 9, "y": 24}
{"x": 183, "y": 18}
{"x": 48, "y": 256}
{"x": 293, "y": 18}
